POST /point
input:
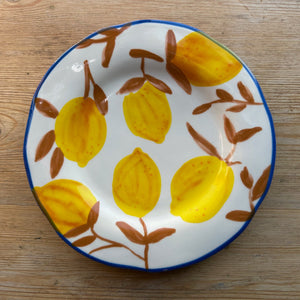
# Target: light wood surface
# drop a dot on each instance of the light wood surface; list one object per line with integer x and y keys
{"x": 263, "y": 263}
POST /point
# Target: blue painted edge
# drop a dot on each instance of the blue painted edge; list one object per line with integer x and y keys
{"x": 222, "y": 246}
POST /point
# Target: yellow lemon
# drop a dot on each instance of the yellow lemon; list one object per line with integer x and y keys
{"x": 147, "y": 113}
{"x": 136, "y": 184}
{"x": 66, "y": 202}
{"x": 204, "y": 62}
{"x": 80, "y": 130}
{"x": 200, "y": 188}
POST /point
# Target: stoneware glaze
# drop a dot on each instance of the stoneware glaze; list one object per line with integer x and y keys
{"x": 149, "y": 145}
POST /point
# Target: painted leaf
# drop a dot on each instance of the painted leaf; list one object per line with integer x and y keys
{"x": 77, "y": 231}
{"x": 110, "y": 32}
{"x": 170, "y": 45}
{"x": 246, "y": 178}
{"x": 44, "y": 145}
{"x": 84, "y": 241}
{"x": 223, "y": 95}
{"x": 245, "y": 92}
{"x": 240, "y": 215}
{"x": 85, "y": 43}
{"x": 160, "y": 85}
{"x": 46, "y": 108}
{"x": 140, "y": 53}
{"x": 237, "y": 108}
{"x": 107, "y": 52}
{"x": 202, "y": 108}
{"x": 202, "y": 142}
{"x": 229, "y": 130}
{"x": 93, "y": 215}
{"x": 179, "y": 77}
{"x": 132, "y": 234}
{"x": 132, "y": 85}
{"x": 246, "y": 134}
{"x": 159, "y": 234}
{"x": 56, "y": 163}
{"x": 261, "y": 184}
{"x": 100, "y": 99}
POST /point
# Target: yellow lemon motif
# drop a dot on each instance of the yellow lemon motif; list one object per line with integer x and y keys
{"x": 204, "y": 62}
{"x": 136, "y": 184}
{"x": 80, "y": 130}
{"x": 200, "y": 188}
{"x": 67, "y": 202}
{"x": 147, "y": 113}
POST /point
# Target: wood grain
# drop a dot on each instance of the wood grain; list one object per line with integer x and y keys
{"x": 263, "y": 263}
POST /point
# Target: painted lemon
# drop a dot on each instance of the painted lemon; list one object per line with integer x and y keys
{"x": 147, "y": 113}
{"x": 200, "y": 188}
{"x": 204, "y": 62}
{"x": 136, "y": 184}
{"x": 66, "y": 202}
{"x": 80, "y": 130}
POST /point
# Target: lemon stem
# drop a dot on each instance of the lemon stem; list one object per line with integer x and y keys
{"x": 146, "y": 251}
{"x": 86, "y": 80}
{"x": 250, "y": 201}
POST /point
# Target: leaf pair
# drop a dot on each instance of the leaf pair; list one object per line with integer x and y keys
{"x": 172, "y": 69}
{"x": 256, "y": 192}
{"x": 109, "y": 39}
{"x": 47, "y": 141}
{"x": 92, "y": 219}
{"x": 136, "y": 83}
{"x": 225, "y": 97}
{"x": 136, "y": 237}
{"x": 234, "y": 136}
{"x": 99, "y": 95}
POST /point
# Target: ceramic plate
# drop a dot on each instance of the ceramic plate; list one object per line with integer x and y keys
{"x": 149, "y": 145}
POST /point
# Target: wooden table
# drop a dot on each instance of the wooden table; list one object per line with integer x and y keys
{"x": 263, "y": 263}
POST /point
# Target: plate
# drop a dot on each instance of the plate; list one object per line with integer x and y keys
{"x": 149, "y": 145}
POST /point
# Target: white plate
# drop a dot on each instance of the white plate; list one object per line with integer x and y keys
{"x": 164, "y": 155}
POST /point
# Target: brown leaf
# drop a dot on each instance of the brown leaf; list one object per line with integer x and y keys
{"x": 107, "y": 52}
{"x": 110, "y": 32}
{"x": 46, "y": 108}
{"x": 56, "y": 163}
{"x": 160, "y": 85}
{"x": 44, "y": 145}
{"x": 246, "y": 134}
{"x": 132, "y": 85}
{"x": 246, "y": 178}
{"x": 140, "y": 53}
{"x": 202, "y": 142}
{"x": 261, "y": 184}
{"x": 245, "y": 92}
{"x": 240, "y": 215}
{"x": 170, "y": 45}
{"x": 223, "y": 95}
{"x": 84, "y": 241}
{"x": 202, "y": 108}
{"x": 179, "y": 77}
{"x": 100, "y": 99}
{"x": 132, "y": 234}
{"x": 76, "y": 231}
{"x": 85, "y": 43}
{"x": 159, "y": 234}
{"x": 93, "y": 215}
{"x": 237, "y": 108}
{"x": 229, "y": 130}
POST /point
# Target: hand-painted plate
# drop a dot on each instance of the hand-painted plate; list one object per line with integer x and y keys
{"x": 149, "y": 146}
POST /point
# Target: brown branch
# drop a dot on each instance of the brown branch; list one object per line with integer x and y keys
{"x": 114, "y": 244}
